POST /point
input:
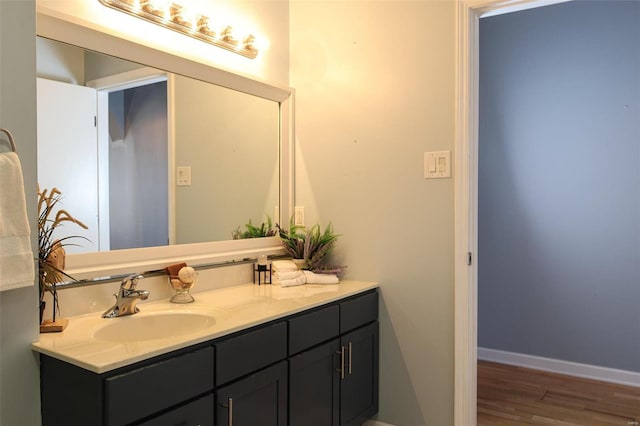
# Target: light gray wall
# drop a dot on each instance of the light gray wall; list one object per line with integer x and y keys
{"x": 559, "y": 204}
{"x": 59, "y": 61}
{"x": 98, "y": 65}
{"x": 230, "y": 141}
{"x": 374, "y": 87}
{"x": 71, "y": 64}
{"x": 19, "y": 383}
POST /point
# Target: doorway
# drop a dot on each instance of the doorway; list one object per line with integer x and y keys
{"x": 133, "y": 147}
{"x": 468, "y": 13}
{"x": 467, "y": 194}
{"x": 138, "y": 167}
{"x": 558, "y": 239}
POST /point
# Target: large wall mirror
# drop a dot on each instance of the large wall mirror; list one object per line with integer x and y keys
{"x": 161, "y": 157}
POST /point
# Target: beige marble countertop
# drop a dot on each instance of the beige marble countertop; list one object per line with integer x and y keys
{"x": 232, "y": 309}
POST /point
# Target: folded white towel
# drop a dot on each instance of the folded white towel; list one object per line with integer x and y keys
{"x": 292, "y": 281}
{"x": 16, "y": 257}
{"x": 313, "y": 278}
{"x": 289, "y": 278}
{"x": 283, "y": 265}
{"x": 287, "y": 275}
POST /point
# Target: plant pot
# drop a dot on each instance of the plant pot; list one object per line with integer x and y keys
{"x": 48, "y": 325}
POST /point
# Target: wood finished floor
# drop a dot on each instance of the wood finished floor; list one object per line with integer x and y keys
{"x": 511, "y": 396}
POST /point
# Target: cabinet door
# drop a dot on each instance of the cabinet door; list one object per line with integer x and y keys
{"x": 359, "y": 388}
{"x": 314, "y": 386}
{"x": 259, "y": 399}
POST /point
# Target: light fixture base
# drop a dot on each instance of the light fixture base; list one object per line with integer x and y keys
{"x": 176, "y": 22}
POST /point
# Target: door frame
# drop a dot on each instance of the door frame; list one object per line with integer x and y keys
{"x": 104, "y": 86}
{"x": 467, "y": 16}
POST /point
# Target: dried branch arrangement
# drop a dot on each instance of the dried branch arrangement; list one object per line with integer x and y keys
{"x": 51, "y": 253}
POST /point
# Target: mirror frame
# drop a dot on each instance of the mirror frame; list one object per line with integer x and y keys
{"x": 88, "y": 266}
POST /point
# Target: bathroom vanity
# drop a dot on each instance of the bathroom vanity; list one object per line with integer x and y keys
{"x": 276, "y": 356}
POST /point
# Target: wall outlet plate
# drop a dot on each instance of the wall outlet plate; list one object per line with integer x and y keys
{"x": 298, "y": 216}
{"x": 183, "y": 176}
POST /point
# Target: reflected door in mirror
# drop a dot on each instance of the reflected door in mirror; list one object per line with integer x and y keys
{"x": 138, "y": 167}
{"x": 68, "y": 157}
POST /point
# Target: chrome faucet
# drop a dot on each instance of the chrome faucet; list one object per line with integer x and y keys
{"x": 127, "y": 298}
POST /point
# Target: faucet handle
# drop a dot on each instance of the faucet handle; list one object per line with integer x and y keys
{"x": 130, "y": 282}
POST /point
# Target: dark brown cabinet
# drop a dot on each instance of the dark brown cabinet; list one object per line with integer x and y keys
{"x": 250, "y": 351}
{"x": 315, "y": 387}
{"x": 335, "y": 382}
{"x": 259, "y": 399}
{"x": 359, "y": 387}
{"x": 128, "y": 398}
{"x": 74, "y": 396}
{"x": 315, "y": 368}
{"x": 196, "y": 413}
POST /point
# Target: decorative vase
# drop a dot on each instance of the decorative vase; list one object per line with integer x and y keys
{"x": 182, "y": 284}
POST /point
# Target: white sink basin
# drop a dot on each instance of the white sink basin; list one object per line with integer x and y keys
{"x": 136, "y": 328}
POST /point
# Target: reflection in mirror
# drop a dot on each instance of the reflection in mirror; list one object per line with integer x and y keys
{"x": 136, "y": 187}
{"x": 168, "y": 159}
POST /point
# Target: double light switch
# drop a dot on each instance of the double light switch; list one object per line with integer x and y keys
{"x": 437, "y": 164}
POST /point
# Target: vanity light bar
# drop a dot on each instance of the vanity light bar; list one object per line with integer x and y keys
{"x": 178, "y": 18}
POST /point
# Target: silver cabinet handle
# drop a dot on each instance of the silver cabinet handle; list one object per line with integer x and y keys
{"x": 230, "y": 411}
{"x": 350, "y": 352}
{"x": 341, "y": 369}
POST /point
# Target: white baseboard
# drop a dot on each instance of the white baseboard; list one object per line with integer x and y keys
{"x": 375, "y": 423}
{"x": 563, "y": 367}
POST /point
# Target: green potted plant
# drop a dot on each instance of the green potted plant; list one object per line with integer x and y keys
{"x": 51, "y": 253}
{"x": 309, "y": 246}
{"x": 252, "y": 231}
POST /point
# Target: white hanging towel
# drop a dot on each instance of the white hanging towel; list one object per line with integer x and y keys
{"x": 16, "y": 257}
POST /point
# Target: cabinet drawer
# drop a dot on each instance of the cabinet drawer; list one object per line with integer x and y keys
{"x": 150, "y": 389}
{"x": 198, "y": 412}
{"x": 310, "y": 329}
{"x": 358, "y": 311}
{"x": 250, "y": 351}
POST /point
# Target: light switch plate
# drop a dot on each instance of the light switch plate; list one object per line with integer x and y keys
{"x": 437, "y": 164}
{"x": 183, "y": 176}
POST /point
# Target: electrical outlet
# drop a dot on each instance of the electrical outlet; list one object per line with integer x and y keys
{"x": 298, "y": 219}
{"x": 183, "y": 177}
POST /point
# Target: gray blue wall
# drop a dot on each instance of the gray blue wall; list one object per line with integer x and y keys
{"x": 19, "y": 372}
{"x": 559, "y": 183}
{"x": 138, "y": 167}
